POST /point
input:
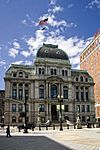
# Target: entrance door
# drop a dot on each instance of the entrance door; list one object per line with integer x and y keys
{"x": 54, "y": 113}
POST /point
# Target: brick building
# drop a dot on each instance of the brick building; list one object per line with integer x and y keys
{"x": 90, "y": 61}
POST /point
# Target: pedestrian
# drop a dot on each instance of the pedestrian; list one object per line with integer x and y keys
{"x": 8, "y": 131}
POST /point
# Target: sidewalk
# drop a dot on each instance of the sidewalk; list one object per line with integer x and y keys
{"x": 76, "y": 139}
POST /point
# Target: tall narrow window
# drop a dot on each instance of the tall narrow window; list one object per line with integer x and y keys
{"x": 81, "y": 79}
{"x": 51, "y": 71}
{"x": 83, "y": 108}
{"x": 66, "y": 108}
{"x": 78, "y": 108}
{"x": 26, "y": 94}
{"x": 77, "y": 95}
{"x": 13, "y": 107}
{"x": 65, "y": 92}
{"x": 62, "y": 72}
{"x": 53, "y": 91}
{"x": 88, "y": 108}
{"x": 20, "y": 94}
{"x": 41, "y": 91}
{"x": 39, "y": 70}
{"x": 20, "y": 107}
{"x": 41, "y": 108}
{"x": 14, "y": 93}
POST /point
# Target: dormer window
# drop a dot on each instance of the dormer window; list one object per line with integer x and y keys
{"x": 57, "y": 52}
{"x": 20, "y": 74}
{"x": 26, "y": 75}
{"x": 14, "y": 74}
{"x": 81, "y": 78}
{"x": 76, "y": 78}
{"x": 46, "y": 51}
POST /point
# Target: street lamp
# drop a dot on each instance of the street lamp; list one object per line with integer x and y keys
{"x": 25, "y": 126}
{"x": 60, "y": 100}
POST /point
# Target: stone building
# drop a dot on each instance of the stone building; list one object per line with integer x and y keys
{"x": 39, "y": 86}
{"x": 2, "y": 96}
{"x": 90, "y": 61}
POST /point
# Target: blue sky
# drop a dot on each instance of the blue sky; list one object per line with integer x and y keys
{"x": 71, "y": 25}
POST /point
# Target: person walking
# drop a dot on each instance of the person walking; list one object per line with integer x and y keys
{"x": 8, "y": 131}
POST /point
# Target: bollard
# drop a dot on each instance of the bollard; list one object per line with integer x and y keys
{"x": 32, "y": 128}
{"x": 53, "y": 127}
{"x": 19, "y": 129}
{"x": 46, "y": 127}
{"x": 39, "y": 128}
{"x": 67, "y": 126}
{"x": 74, "y": 126}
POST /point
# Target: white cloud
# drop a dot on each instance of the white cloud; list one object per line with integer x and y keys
{"x": 70, "y": 5}
{"x": 94, "y": 3}
{"x": 73, "y": 46}
{"x": 34, "y": 43}
{"x": 52, "y": 2}
{"x": 18, "y": 62}
{"x": 28, "y": 62}
{"x": 54, "y": 23}
{"x": 13, "y": 52}
{"x": 56, "y": 9}
{"x": 25, "y": 53}
{"x": 28, "y": 21}
{"x": 16, "y": 45}
{"x": 2, "y": 62}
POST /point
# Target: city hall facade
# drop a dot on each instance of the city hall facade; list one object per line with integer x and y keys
{"x": 39, "y": 86}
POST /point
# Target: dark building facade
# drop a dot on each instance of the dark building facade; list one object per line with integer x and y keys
{"x": 2, "y": 96}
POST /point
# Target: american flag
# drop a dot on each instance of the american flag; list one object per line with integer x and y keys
{"x": 43, "y": 22}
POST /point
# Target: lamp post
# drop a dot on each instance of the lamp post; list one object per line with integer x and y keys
{"x": 25, "y": 126}
{"x": 60, "y": 100}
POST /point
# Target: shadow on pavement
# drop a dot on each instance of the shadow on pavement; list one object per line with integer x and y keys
{"x": 29, "y": 143}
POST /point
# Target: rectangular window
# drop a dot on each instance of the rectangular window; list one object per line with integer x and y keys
{"x": 82, "y": 96}
{"x": 14, "y": 93}
{"x": 65, "y": 72}
{"x": 77, "y": 96}
{"x": 26, "y": 94}
{"x": 62, "y": 72}
{"x": 65, "y": 92}
{"x": 42, "y": 71}
{"x": 66, "y": 108}
{"x": 78, "y": 108}
{"x": 55, "y": 71}
{"x": 83, "y": 108}
{"x": 51, "y": 71}
{"x": 20, "y": 94}
{"x": 20, "y": 107}
{"x": 41, "y": 108}
{"x": 83, "y": 118}
{"x": 87, "y": 98}
{"x": 13, "y": 107}
{"x": 88, "y": 108}
{"x": 39, "y": 70}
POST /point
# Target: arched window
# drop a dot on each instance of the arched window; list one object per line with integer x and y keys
{"x": 53, "y": 91}
{"x": 65, "y": 92}
{"x": 13, "y": 119}
{"x": 20, "y": 74}
{"x": 41, "y": 91}
{"x": 81, "y": 78}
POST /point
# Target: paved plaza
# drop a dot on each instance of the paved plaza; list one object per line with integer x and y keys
{"x": 73, "y": 139}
